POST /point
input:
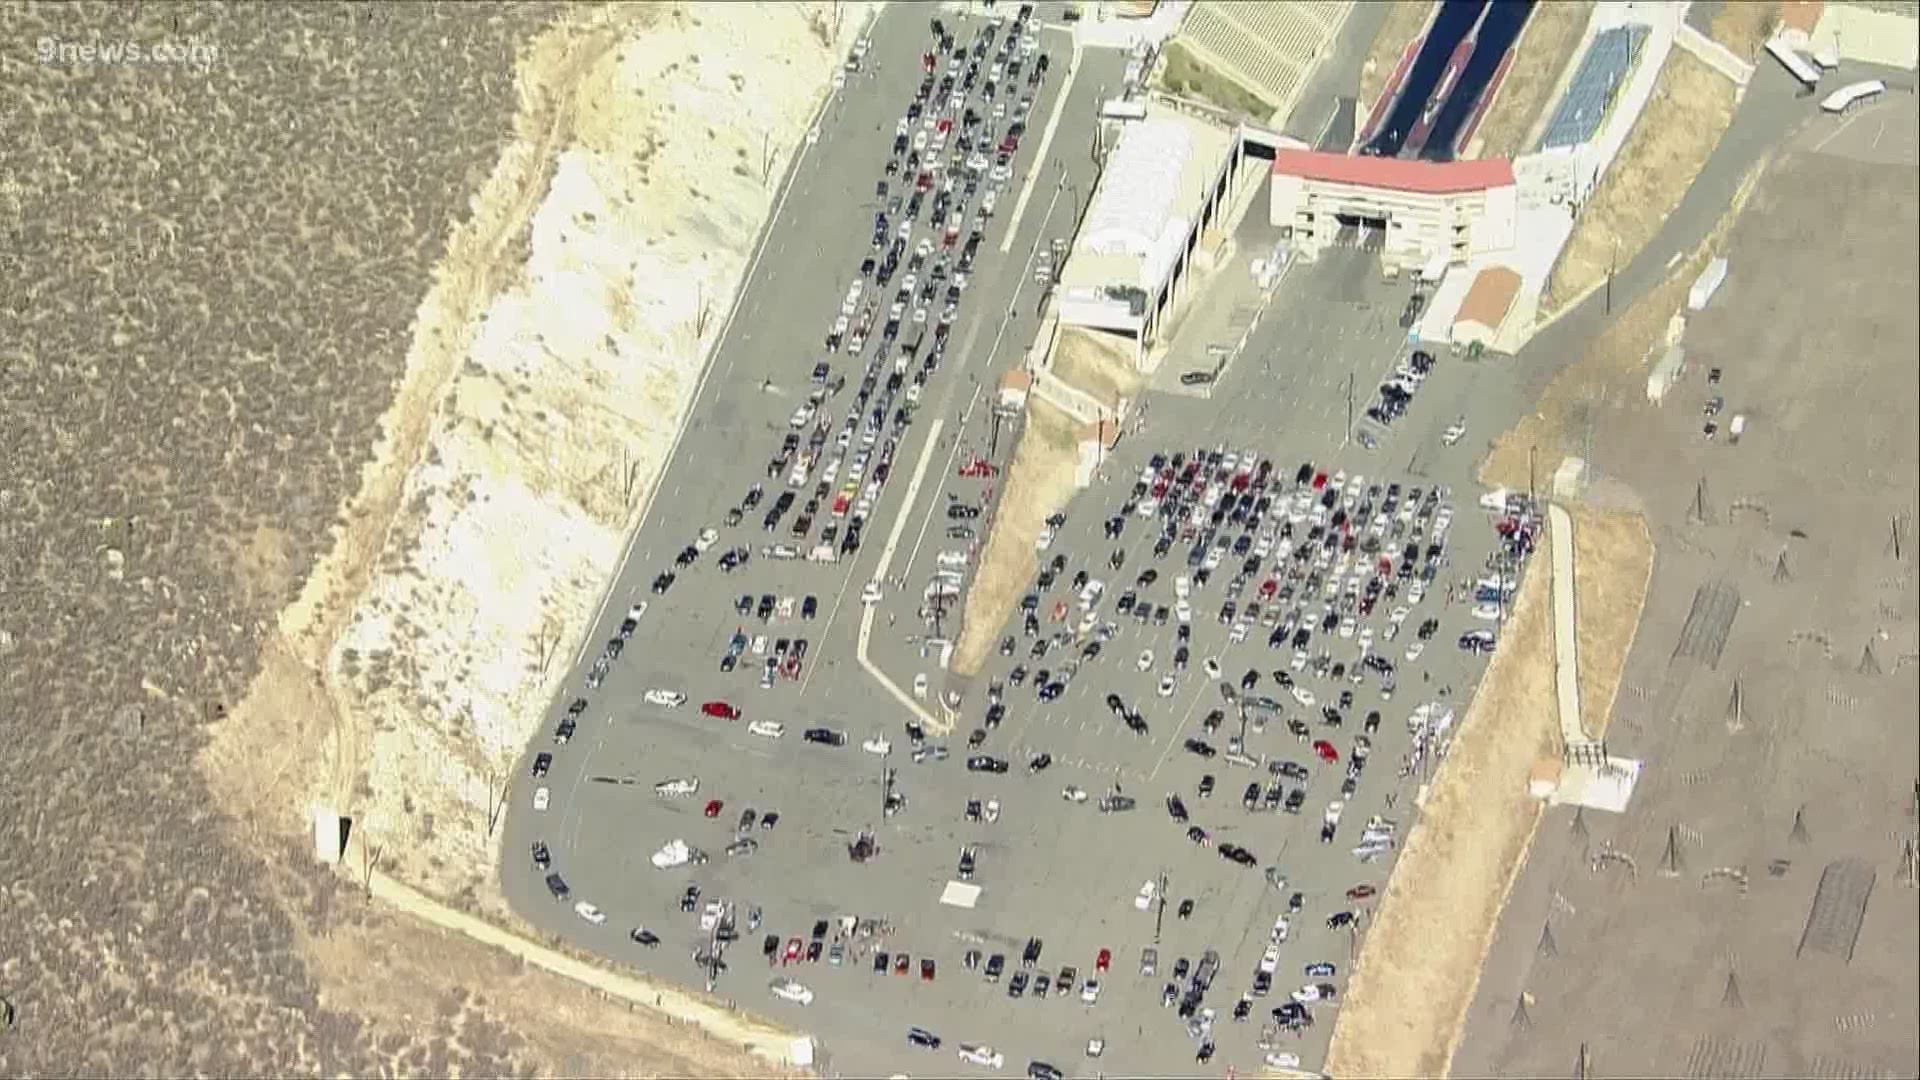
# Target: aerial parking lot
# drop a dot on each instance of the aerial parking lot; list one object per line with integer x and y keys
{"x": 1178, "y": 785}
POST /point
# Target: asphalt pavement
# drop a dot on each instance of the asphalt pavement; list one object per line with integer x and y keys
{"x": 1047, "y": 868}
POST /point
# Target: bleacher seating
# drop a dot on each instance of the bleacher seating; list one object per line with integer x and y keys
{"x": 1268, "y": 45}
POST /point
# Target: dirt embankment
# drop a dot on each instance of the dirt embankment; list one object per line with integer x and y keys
{"x": 1040, "y": 481}
{"x": 1690, "y": 109}
{"x": 1541, "y": 57}
{"x": 1405, "y": 19}
{"x": 545, "y": 386}
{"x": 1423, "y": 951}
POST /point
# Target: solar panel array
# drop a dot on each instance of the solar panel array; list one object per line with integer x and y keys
{"x": 1601, "y": 74}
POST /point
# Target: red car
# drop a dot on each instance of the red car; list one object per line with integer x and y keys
{"x": 926, "y": 971}
{"x": 901, "y": 964}
{"x": 720, "y": 710}
{"x": 714, "y": 806}
{"x": 1319, "y": 481}
{"x": 1326, "y": 751}
{"x": 1361, "y": 892}
{"x": 1104, "y": 961}
{"x": 794, "y": 948}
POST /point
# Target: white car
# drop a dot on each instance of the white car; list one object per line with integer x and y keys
{"x": 788, "y": 990}
{"x": 1144, "y": 898}
{"x": 1090, "y": 991}
{"x": 666, "y": 699}
{"x": 1307, "y": 994}
{"x": 1146, "y": 660}
{"x": 590, "y": 913}
{"x": 1399, "y": 615}
{"x": 1183, "y": 611}
{"x": 1166, "y": 685}
{"x": 767, "y": 729}
{"x": 1348, "y": 625}
{"x": 871, "y": 594}
{"x": 993, "y": 811}
{"x": 877, "y": 745}
{"x": 1211, "y": 667}
{"x": 1489, "y": 611}
{"x": 637, "y": 610}
{"x": 1270, "y": 960}
{"x": 677, "y": 786}
{"x": 542, "y": 798}
{"x": 1239, "y": 632}
{"x": 1182, "y": 587}
{"x": 1303, "y": 695}
{"x": 1284, "y": 1060}
{"x": 1455, "y": 431}
{"x": 1282, "y": 926}
{"x": 706, "y": 538}
{"x": 1073, "y": 794}
{"x": 984, "y": 1056}
{"x": 759, "y": 647}
{"x": 1414, "y": 650}
{"x": 1366, "y": 639}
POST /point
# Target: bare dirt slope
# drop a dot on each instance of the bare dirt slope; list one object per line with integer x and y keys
{"x": 1039, "y": 482}
{"x": 214, "y": 269}
{"x": 1691, "y": 106}
{"x": 1422, "y": 956}
{"x": 543, "y": 409}
{"x": 191, "y": 403}
{"x": 1541, "y": 58}
{"x": 1404, "y": 20}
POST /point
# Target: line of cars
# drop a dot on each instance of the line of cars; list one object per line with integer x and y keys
{"x": 953, "y": 152}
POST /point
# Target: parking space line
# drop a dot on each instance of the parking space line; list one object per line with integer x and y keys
{"x": 1040, "y": 155}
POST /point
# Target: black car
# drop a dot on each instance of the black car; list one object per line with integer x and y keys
{"x": 986, "y": 764}
{"x": 541, "y": 763}
{"x": 1030, "y": 955}
{"x": 996, "y": 964}
{"x": 1237, "y": 854}
{"x": 824, "y": 736}
{"x": 557, "y": 885}
{"x": 542, "y": 859}
{"x": 923, "y": 1038}
{"x": 662, "y": 583}
{"x": 640, "y": 935}
{"x": 1199, "y": 748}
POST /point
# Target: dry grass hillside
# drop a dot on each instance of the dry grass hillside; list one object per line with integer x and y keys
{"x": 215, "y": 338}
{"x": 545, "y": 386}
{"x": 212, "y": 273}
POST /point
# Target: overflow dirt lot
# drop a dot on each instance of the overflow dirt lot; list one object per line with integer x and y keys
{"x": 1750, "y": 914}
{"x": 194, "y": 406}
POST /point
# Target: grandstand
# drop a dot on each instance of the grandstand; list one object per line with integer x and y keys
{"x": 1267, "y": 46}
{"x": 1603, "y": 70}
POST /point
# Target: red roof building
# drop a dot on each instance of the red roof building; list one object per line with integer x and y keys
{"x": 1415, "y": 213}
{"x": 1393, "y": 174}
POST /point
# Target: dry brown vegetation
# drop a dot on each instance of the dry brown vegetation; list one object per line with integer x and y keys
{"x": 1612, "y": 564}
{"x": 1743, "y": 27}
{"x": 1541, "y": 57}
{"x": 1404, "y": 19}
{"x": 1422, "y": 956}
{"x": 1039, "y": 482}
{"x": 216, "y": 268}
{"x": 1097, "y": 364}
{"x": 1422, "y": 952}
{"x": 1691, "y": 106}
{"x": 1581, "y": 392}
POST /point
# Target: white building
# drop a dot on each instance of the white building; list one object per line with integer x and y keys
{"x": 1166, "y": 180}
{"x": 1418, "y": 213}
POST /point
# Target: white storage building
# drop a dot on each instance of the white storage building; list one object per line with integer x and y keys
{"x": 1706, "y": 285}
{"x": 1666, "y": 373}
